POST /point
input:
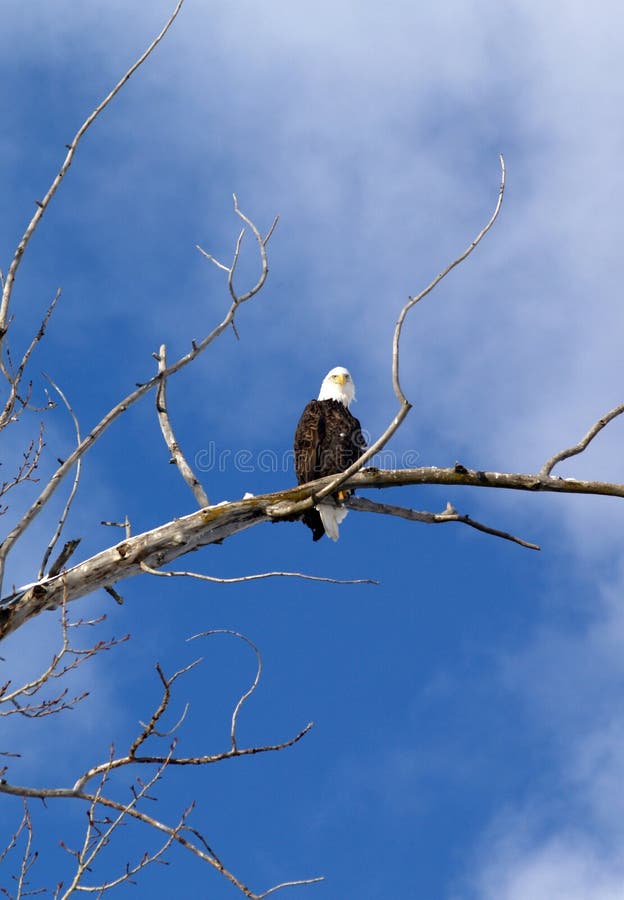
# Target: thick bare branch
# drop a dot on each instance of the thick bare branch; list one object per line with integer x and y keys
{"x": 214, "y": 524}
{"x": 167, "y": 430}
{"x": 68, "y": 550}
{"x": 120, "y": 408}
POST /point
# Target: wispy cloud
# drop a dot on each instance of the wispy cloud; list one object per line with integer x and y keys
{"x": 564, "y": 838}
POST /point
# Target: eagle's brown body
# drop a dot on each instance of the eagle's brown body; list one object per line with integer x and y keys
{"x": 328, "y": 440}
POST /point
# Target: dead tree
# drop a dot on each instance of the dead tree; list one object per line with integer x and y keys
{"x": 58, "y": 583}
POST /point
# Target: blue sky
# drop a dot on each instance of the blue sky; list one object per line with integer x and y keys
{"x": 469, "y": 722}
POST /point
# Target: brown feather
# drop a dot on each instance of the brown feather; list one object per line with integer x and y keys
{"x": 328, "y": 439}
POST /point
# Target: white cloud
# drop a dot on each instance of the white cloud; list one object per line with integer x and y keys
{"x": 568, "y": 866}
{"x": 564, "y": 839}
{"x": 375, "y": 132}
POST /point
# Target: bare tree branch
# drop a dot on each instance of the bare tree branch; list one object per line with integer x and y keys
{"x": 287, "y": 884}
{"x": 99, "y": 831}
{"x": 214, "y": 524}
{"x": 149, "y": 729}
{"x": 28, "y": 860}
{"x": 19, "y": 700}
{"x": 450, "y": 514}
{"x": 72, "y": 493}
{"x": 42, "y": 205}
{"x": 14, "y": 378}
{"x": 165, "y": 426}
{"x": 259, "y": 577}
{"x": 404, "y": 404}
{"x": 68, "y": 550}
{"x": 96, "y": 839}
{"x": 550, "y": 464}
{"x": 176, "y": 833}
{"x": 261, "y": 242}
{"x": 28, "y": 466}
{"x": 123, "y": 405}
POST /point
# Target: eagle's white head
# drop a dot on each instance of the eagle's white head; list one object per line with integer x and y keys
{"x": 338, "y": 385}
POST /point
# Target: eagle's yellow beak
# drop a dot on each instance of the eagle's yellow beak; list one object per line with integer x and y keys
{"x": 340, "y": 378}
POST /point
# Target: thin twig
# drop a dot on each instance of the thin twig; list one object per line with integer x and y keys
{"x": 450, "y": 514}
{"x": 231, "y": 269}
{"x": 247, "y": 694}
{"x": 404, "y": 404}
{"x": 550, "y": 464}
{"x": 68, "y": 657}
{"x": 42, "y": 205}
{"x": 72, "y": 493}
{"x": 8, "y": 288}
{"x": 122, "y": 407}
{"x": 129, "y": 810}
{"x": 93, "y": 844}
{"x": 29, "y": 465}
{"x": 14, "y": 379}
{"x": 167, "y": 430}
{"x": 99, "y": 831}
{"x": 150, "y": 727}
{"x": 258, "y": 577}
{"x": 287, "y": 884}
{"x": 149, "y": 730}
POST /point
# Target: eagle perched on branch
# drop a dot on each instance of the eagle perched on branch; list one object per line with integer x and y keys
{"x": 328, "y": 440}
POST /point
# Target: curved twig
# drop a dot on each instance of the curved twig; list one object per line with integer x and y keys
{"x": 556, "y": 458}
{"x": 404, "y": 404}
{"x": 287, "y": 884}
{"x": 231, "y": 269}
{"x": 255, "y": 682}
{"x": 165, "y": 426}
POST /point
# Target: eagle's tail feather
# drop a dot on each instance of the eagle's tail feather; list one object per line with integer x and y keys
{"x": 331, "y": 517}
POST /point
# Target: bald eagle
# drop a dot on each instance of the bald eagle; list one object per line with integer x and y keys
{"x": 328, "y": 440}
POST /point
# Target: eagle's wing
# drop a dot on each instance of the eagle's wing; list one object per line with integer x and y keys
{"x": 345, "y": 443}
{"x": 328, "y": 439}
{"x": 309, "y": 437}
